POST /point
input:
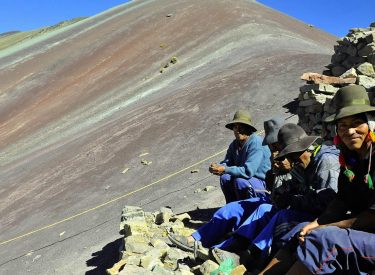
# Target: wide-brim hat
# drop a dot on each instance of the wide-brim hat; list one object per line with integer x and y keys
{"x": 241, "y": 116}
{"x": 271, "y": 129}
{"x": 292, "y": 139}
{"x": 350, "y": 100}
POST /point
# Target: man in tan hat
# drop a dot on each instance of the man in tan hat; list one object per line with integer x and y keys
{"x": 243, "y": 171}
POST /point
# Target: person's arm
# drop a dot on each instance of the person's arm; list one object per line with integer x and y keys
{"x": 333, "y": 214}
{"x": 254, "y": 158}
{"x": 365, "y": 221}
{"x": 324, "y": 183}
{"x": 218, "y": 169}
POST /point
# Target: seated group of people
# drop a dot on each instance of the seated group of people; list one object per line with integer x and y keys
{"x": 293, "y": 204}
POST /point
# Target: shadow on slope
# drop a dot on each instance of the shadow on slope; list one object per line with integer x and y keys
{"x": 104, "y": 258}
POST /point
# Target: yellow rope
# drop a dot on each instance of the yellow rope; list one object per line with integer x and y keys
{"x": 113, "y": 200}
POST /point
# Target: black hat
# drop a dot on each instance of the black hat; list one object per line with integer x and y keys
{"x": 292, "y": 138}
{"x": 271, "y": 128}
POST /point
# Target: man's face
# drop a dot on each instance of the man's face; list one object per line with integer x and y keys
{"x": 278, "y": 165}
{"x": 352, "y": 131}
{"x": 301, "y": 159}
{"x": 241, "y": 131}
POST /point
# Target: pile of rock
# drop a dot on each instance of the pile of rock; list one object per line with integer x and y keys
{"x": 352, "y": 62}
{"x": 146, "y": 249}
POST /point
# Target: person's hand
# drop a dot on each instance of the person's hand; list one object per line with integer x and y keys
{"x": 306, "y": 230}
{"x": 216, "y": 169}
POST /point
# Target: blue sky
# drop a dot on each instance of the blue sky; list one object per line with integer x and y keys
{"x": 24, "y": 15}
{"x": 333, "y": 16}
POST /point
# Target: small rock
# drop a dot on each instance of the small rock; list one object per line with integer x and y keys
{"x": 182, "y": 217}
{"x": 62, "y": 233}
{"x": 175, "y": 254}
{"x": 149, "y": 262}
{"x": 146, "y": 162}
{"x": 183, "y": 270}
{"x": 158, "y": 243}
{"x": 125, "y": 170}
{"x": 129, "y": 228}
{"x": 169, "y": 15}
{"x": 133, "y": 260}
{"x": 208, "y": 266}
{"x": 36, "y": 257}
{"x": 194, "y": 171}
{"x": 366, "y": 69}
{"x": 366, "y": 81}
{"x": 131, "y": 213}
{"x": 161, "y": 270}
{"x": 323, "y": 79}
{"x": 323, "y": 88}
{"x": 209, "y": 188}
{"x": 197, "y": 190}
{"x": 164, "y": 215}
{"x": 133, "y": 269}
{"x": 173, "y": 60}
{"x": 186, "y": 231}
{"x": 114, "y": 270}
{"x": 144, "y": 154}
{"x": 137, "y": 244}
{"x": 351, "y": 73}
{"x": 238, "y": 270}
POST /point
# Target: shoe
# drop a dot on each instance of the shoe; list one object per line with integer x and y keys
{"x": 181, "y": 242}
{"x": 201, "y": 252}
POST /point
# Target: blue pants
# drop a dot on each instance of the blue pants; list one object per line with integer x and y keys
{"x": 235, "y": 189}
{"x": 227, "y": 219}
{"x": 252, "y": 224}
{"x": 280, "y": 223}
{"x": 330, "y": 249}
{"x": 265, "y": 227}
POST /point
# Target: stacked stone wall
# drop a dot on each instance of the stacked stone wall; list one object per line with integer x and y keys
{"x": 353, "y": 62}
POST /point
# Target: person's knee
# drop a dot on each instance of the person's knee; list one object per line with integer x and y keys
{"x": 325, "y": 233}
{"x": 225, "y": 178}
{"x": 230, "y": 210}
{"x": 241, "y": 183}
{"x": 265, "y": 207}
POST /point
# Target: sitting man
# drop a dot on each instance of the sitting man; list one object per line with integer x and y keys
{"x": 228, "y": 218}
{"x": 243, "y": 171}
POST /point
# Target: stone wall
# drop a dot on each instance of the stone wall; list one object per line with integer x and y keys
{"x": 146, "y": 249}
{"x": 352, "y": 63}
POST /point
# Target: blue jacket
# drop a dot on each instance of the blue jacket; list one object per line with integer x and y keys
{"x": 253, "y": 160}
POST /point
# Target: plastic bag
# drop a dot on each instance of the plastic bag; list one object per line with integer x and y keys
{"x": 225, "y": 267}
